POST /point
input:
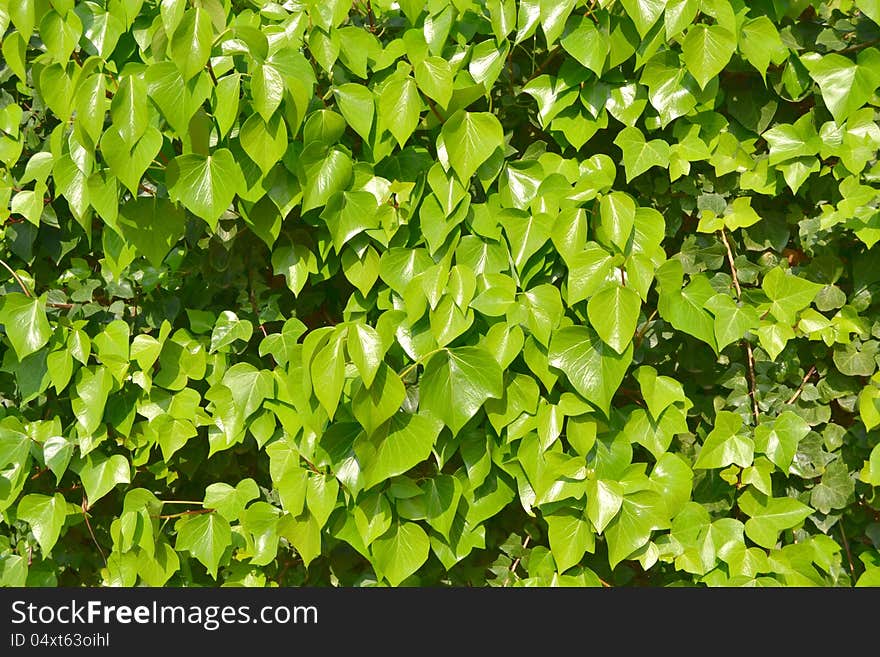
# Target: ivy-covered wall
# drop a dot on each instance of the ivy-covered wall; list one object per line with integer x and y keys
{"x": 456, "y": 292}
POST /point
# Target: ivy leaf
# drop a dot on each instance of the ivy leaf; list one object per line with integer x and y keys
{"x": 724, "y": 445}
{"x": 230, "y": 501}
{"x": 587, "y": 45}
{"x": 366, "y": 349}
{"x": 685, "y": 308}
{"x": 400, "y": 108}
{"x": 442, "y": 494}
{"x": 402, "y": 443}
{"x": 357, "y": 105}
{"x": 434, "y": 77}
{"x": 206, "y": 536}
{"x": 100, "y": 474}
{"x": 870, "y": 473}
{"x": 617, "y": 215}
{"x": 659, "y": 392}
{"x": 470, "y": 139}
{"x": 870, "y": 8}
{"x": 644, "y": 13}
{"x": 639, "y": 515}
{"x": 152, "y": 225}
{"x": 706, "y": 50}
{"x": 295, "y": 262}
{"x": 846, "y": 85}
{"x": 25, "y": 323}
{"x": 456, "y": 383}
{"x": 46, "y": 517}
{"x": 400, "y": 551}
{"x": 835, "y": 490}
{"x": 323, "y": 175}
{"x": 604, "y": 499}
{"x": 176, "y": 98}
{"x": 588, "y": 271}
{"x": 594, "y": 369}
{"x": 788, "y": 293}
{"x": 780, "y": 439}
{"x": 228, "y": 329}
{"x": 670, "y": 89}
{"x": 731, "y": 321}
{"x": 205, "y": 184}
{"x": 281, "y": 345}
{"x": 191, "y": 42}
{"x": 173, "y": 433}
{"x": 130, "y": 162}
{"x": 760, "y": 44}
{"x": 374, "y": 404}
{"x": 570, "y": 535}
{"x": 614, "y": 314}
{"x": 249, "y": 387}
{"x": 92, "y": 387}
{"x": 328, "y": 373}
{"x": 57, "y": 452}
{"x": 267, "y": 89}
{"x": 640, "y": 155}
{"x": 264, "y": 141}
{"x": 770, "y": 515}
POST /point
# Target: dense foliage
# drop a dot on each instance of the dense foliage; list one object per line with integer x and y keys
{"x": 456, "y": 292}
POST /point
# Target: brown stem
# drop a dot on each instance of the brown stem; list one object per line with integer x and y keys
{"x": 797, "y": 393}
{"x": 543, "y": 65}
{"x": 859, "y": 46}
{"x": 39, "y": 473}
{"x": 749, "y": 353}
{"x": 192, "y": 512}
{"x": 434, "y": 109}
{"x": 852, "y": 569}
{"x": 642, "y": 331}
{"x": 732, "y": 265}
{"x": 85, "y": 512}
{"x": 17, "y": 278}
{"x": 371, "y": 17}
{"x": 752, "y": 385}
{"x": 516, "y": 561}
{"x": 211, "y": 73}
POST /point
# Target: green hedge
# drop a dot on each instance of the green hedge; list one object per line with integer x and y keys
{"x": 444, "y": 293}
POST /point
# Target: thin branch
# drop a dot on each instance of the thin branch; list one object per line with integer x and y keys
{"x": 849, "y": 558}
{"x": 191, "y": 512}
{"x": 752, "y": 385}
{"x": 371, "y": 17}
{"x": 17, "y": 278}
{"x": 733, "y": 271}
{"x": 640, "y": 335}
{"x": 749, "y": 353}
{"x": 858, "y": 46}
{"x": 543, "y": 65}
{"x": 211, "y": 73}
{"x": 85, "y": 511}
{"x": 797, "y": 393}
{"x": 418, "y": 362}
{"x": 516, "y": 561}
{"x": 434, "y": 109}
